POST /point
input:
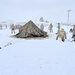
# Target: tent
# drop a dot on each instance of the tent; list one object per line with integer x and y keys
{"x": 30, "y": 30}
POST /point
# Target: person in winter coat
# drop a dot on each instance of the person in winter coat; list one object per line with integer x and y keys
{"x": 61, "y": 34}
{"x": 58, "y": 27}
{"x": 42, "y": 27}
{"x": 0, "y": 26}
{"x": 12, "y": 28}
{"x": 73, "y": 36}
{"x": 50, "y": 27}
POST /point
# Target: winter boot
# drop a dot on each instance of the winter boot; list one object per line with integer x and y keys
{"x": 63, "y": 40}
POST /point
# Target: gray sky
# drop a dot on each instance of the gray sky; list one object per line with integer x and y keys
{"x": 24, "y": 10}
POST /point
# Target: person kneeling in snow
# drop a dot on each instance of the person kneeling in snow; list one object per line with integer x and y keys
{"x": 61, "y": 34}
{"x": 73, "y": 36}
{"x": 71, "y": 30}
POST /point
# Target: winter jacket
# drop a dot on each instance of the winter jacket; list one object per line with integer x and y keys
{"x": 61, "y": 34}
{"x": 50, "y": 27}
{"x": 73, "y": 32}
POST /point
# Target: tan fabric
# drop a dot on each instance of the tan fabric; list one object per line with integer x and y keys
{"x": 61, "y": 34}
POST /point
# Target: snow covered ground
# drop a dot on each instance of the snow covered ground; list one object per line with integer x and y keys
{"x": 37, "y": 56}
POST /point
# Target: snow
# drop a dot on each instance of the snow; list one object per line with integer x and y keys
{"x": 37, "y": 56}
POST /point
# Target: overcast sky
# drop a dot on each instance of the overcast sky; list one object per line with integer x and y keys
{"x": 24, "y": 10}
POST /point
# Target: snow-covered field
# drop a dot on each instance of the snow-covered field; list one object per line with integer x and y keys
{"x": 37, "y": 56}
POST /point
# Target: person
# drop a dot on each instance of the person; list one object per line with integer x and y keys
{"x": 58, "y": 28}
{"x": 71, "y": 30}
{"x": 61, "y": 34}
{"x": 12, "y": 28}
{"x": 73, "y": 36}
{"x": 0, "y": 48}
{"x": 42, "y": 27}
{"x": 50, "y": 27}
{"x": 0, "y": 26}
{"x": 6, "y": 25}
